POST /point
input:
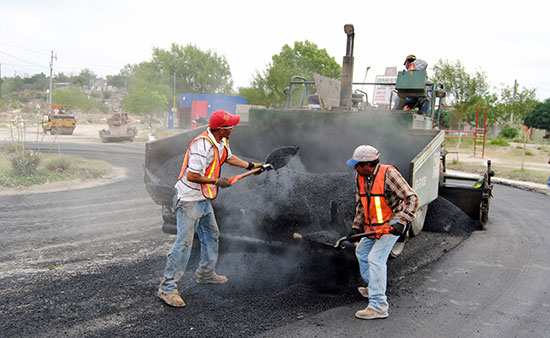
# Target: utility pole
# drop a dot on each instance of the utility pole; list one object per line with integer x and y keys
{"x": 51, "y": 83}
{"x": 174, "y": 107}
{"x": 513, "y": 102}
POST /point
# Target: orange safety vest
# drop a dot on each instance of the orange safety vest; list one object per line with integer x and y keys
{"x": 209, "y": 191}
{"x": 411, "y": 66}
{"x": 377, "y": 211}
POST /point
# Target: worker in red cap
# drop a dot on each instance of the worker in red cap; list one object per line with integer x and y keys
{"x": 197, "y": 184}
{"x": 385, "y": 201}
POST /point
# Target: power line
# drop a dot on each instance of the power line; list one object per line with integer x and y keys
{"x": 23, "y": 48}
{"x": 15, "y": 57}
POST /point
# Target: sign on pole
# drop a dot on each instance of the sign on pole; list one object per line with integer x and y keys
{"x": 382, "y": 93}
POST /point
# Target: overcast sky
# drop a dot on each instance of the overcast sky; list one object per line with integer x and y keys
{"x": 509, "y": 40}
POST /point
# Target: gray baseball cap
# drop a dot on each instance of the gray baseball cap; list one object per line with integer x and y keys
{"x": 363, "y": 153}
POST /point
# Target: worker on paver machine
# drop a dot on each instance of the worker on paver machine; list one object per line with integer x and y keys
{"x": 197, "y": 184}
{"x": 386, "y": 205}
{"x": 413, "y": 64}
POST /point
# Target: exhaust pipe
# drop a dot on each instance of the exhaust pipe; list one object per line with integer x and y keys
{"x": 347, "y": 70}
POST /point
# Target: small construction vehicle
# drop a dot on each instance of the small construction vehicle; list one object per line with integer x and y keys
{"x": 118, "y": 129}
{"x": 58, "y": 122}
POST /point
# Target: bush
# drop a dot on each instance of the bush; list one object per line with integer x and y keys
{"x": 499, "y": 141}
{"x": 509, "y": 132}
{"x": 25, "y": 163}
{"x": 13, "y": 148}
{"x": 59, "y": 164}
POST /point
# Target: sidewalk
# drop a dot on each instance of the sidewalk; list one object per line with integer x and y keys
{"x": 537, "y": 187}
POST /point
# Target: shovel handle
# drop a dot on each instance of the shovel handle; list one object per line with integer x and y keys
{"x": 383, "y": 231}
{"x": 234, "y": 179}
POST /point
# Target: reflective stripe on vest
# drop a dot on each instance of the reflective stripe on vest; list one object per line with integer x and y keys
{"x": 209, "y": 191}
{"x": 377, "y": 211}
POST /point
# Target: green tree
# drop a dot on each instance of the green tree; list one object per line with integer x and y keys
{"x": 60, "y": 77}
{"x": 85, "y": 78}
{"x": 73, "y": 98}
{"x": 118, "y": 81}
{"x": 195, "y": 71}
{"x": 539, "y": 116}
{"x": 304, "y": 59}
{"x": 466, "y": 92}
{"x": 515, "y": 102}
{"x": 147, "y": 95}
{"x": 145, "y": 101}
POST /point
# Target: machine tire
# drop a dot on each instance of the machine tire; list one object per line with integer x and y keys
{"x": 483, "y": 213}
{"x": 418, "y": 224}
{"x": 102, "y": 136}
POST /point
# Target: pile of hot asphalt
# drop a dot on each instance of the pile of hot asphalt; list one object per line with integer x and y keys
{"x": 270, "y": 270}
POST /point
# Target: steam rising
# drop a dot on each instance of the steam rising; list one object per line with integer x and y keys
{"x": 263, "y": 212}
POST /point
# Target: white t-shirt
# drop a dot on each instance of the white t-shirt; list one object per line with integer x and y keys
{"x": 201, "y": 155}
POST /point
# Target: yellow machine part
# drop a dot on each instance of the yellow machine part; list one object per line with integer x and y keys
{"x": 59, "y": 124}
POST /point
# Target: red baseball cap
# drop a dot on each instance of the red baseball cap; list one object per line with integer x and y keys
{"x": 221, "y": 118}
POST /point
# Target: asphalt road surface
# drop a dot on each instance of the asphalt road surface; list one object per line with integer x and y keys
{"x": 87, "y": 262}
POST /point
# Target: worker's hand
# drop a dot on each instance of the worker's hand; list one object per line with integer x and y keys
{"x": 354, "y": 231}
{"x": 222, "y": 182}
{"x": 254, "y": 165}
{"x": 398, "y": 229}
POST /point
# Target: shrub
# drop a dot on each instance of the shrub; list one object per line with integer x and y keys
{"x": 509, "y": 132}
{"x": 59, "y": 164}
{"x": 25, "y": 163}
{"x": 499, "y": 141}
{"x": 13, "y": 148}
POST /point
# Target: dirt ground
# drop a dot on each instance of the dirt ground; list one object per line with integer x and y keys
{"x": 83, "y": 133}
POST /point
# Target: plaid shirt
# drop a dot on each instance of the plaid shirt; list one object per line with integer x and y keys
{"x": 400, "y": 197}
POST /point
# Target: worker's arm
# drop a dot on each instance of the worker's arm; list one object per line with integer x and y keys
{"x": 359, "y": 219}
{"x": 198, "y": 178}
{"x": 236, "y": 161}
{"x": 399, "y": 186}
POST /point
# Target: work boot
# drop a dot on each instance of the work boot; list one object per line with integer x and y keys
{"x": 173, "y": 298}
{"x": 364, "y": 291}
{"x": 370, "y": 313}
{"x": 215, "y": 279}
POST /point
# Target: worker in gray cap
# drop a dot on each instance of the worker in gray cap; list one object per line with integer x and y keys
{"x": 386, "y": 204}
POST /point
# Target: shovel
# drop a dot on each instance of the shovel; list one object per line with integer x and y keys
{"x": 278, "y": 158}
{"x": 383, "y": 231}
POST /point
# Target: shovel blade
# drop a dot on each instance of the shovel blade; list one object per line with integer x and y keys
{"x": 280, "y": 157}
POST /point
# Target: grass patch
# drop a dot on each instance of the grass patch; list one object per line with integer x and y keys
{"x": 53, "y": 168}
{"x": 526, "y": 175}
{"x": 499, "y": 142}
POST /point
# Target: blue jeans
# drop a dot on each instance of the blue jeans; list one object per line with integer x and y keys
{"x": 372, "y": 255}
{"x": 191, "y": 217}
